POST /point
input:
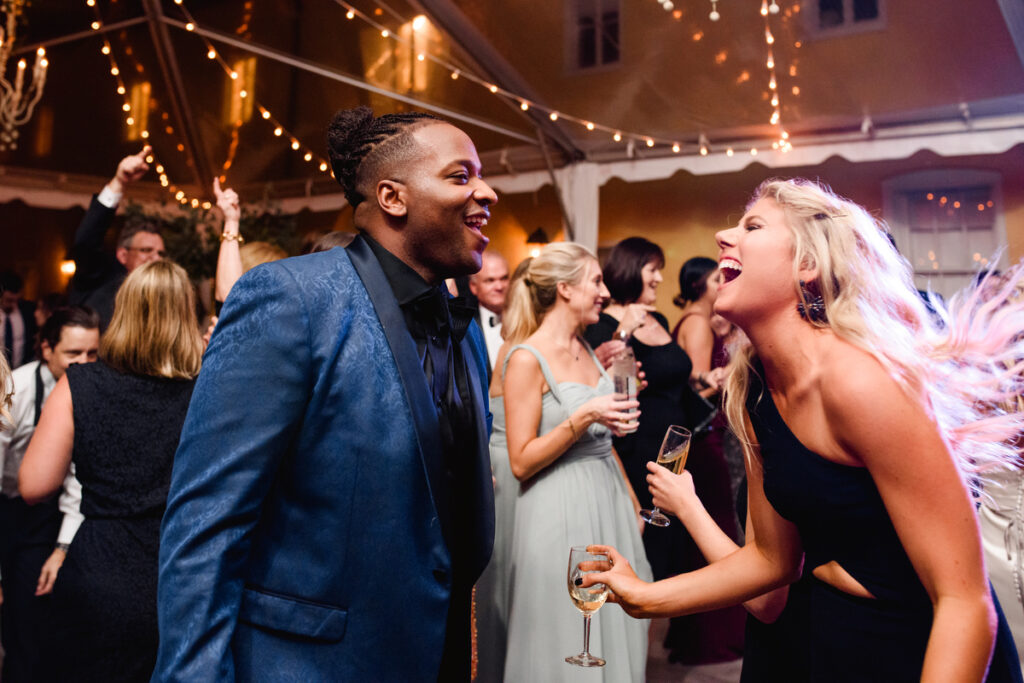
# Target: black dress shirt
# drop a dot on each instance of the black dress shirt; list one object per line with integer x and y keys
{"x": 427, "y": 312}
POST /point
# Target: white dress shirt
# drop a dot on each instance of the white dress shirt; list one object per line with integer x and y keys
{"x": 492, "y": 333}
{"x": 15, "y": 436}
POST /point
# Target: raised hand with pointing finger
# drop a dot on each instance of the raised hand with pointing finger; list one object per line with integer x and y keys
{"x": 131, "y": 168}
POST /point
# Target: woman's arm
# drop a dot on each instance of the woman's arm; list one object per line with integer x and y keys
{"x": 529, "y": 453}
{"x": 229, "y": 258}
{"x": 770, "y": 561}
{"x": 697, "y": 339}
{"x": 48, "y": 455}
{"x": 675, "y": 493}
{"x": 874, "y": 420}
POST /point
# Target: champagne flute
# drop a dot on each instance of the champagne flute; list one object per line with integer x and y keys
{"x": 587, "y": 600}
{"x": 672, "y": 455}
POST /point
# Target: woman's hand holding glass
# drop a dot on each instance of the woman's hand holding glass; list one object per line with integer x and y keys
{"x": 613, "y": 411}
{"x": 673, "y": 493}
{"x": 624, "y": 586}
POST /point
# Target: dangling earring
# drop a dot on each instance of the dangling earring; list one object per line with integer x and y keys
{"x": 814, "y": 311}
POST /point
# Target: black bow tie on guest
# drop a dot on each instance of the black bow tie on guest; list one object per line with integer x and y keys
{"x": 493, "y": 320}
{"x": 437, "y": 313}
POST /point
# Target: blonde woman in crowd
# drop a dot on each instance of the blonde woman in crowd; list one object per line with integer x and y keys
{"x": 119, "y": 421}
{"x": 560, "y": 415}
{"x": 866, "y": 426}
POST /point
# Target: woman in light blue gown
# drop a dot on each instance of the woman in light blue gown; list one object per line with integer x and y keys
{"x": 560, "y": 414}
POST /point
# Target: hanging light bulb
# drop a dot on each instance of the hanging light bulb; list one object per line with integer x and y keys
{"x": 773, "y": 8}
{"x": 617, "y": 137}
{"x": 764, "y": 8}
{"x": 676, "y": 147}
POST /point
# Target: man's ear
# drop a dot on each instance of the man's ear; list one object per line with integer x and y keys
{"x": 121, "y": 254}
{"x": 391, "y": 198}
{"x": 44, "y": 348}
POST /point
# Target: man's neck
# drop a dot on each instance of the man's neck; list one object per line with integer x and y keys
{"x": 393, "y": 243}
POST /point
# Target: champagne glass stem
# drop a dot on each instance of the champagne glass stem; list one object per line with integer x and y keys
{"x": 586, "y": 635}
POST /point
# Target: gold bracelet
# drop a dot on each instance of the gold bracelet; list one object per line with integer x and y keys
{"x": 575, "y": 436}
{"x": 232, "y": 237}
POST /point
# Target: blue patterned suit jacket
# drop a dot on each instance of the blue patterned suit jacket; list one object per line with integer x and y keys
{"x": 302, "y": 541}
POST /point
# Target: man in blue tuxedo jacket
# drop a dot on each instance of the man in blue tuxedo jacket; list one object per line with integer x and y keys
{"x": 331, "y": 502}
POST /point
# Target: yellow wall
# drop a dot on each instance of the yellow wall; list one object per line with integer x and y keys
{"x": 682, "y": 213}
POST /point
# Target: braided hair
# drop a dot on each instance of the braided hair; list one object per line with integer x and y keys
{"x": 360, "y": 145}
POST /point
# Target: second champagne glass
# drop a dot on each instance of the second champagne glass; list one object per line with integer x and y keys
{"x": 587, "y": 600}
{"x": 674, "y": 449}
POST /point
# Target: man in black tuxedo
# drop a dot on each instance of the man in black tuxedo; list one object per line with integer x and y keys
{"x": 98, "y": 273}
{"x": 489, "y": 287}
{"x": 19, "y": 321}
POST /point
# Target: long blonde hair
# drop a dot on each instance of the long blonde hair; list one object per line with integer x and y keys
{"x": 154, "y": 330}
{"x": 531, "y": 296}
{"x": 964, "y": 359}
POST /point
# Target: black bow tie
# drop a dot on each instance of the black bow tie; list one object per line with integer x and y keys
{"x": 435, "y": 309}
{"x": 493, "y": 320}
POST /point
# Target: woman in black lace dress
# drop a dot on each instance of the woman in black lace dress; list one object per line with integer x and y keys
{"x": 632, "y": 275}
{"x": 119, "y": 421}
{"x": 867, "y": 426}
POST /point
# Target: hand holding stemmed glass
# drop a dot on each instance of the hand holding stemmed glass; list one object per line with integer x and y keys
{"x": 586, "y": 599}
{"x": 674, "y": 450}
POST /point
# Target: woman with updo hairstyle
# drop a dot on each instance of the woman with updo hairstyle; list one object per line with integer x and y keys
{"x": 560, "y": 416}
{"x": 119, "y": 420}
{"x": 633, "y": 274}
{"x": 698, "y": 286}
{"x": 867, "y": 425}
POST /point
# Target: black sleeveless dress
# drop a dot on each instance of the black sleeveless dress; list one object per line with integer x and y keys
{"x": 126, "y": 432}
{"x": 708, "y": 637}
{"x": 840, "y": 516}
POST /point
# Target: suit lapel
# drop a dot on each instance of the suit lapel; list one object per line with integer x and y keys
{"x": 403, "y": 348}
{"x": 485, "y": 521}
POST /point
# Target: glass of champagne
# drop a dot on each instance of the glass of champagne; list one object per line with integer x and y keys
{"x": 587, "y": 600}
{"x": 674, "y": 449}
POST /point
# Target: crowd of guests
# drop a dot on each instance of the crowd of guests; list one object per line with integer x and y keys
{"x": 824, "y": 526}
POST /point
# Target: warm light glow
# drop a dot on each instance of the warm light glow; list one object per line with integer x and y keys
{"x": 234, "y": 75}
{"x": 195, "y": 203}
{"x": 956, "y": 205}
{"x": 772, "y": 83}
{"x": 775, "y": 100}
{"x": 308, "y": 156}
{"x": 179, "y": 194}
{"x": 770, "y": 63}
{"x": 159, "y": 168}
{"x": 67, "y": 268}
{"x": 650, "y": 142}
{"x": 753, "y": 151}
{"x": 617, "y": 137}
{"x": 207, "y": 205}
{"x": 768, "y": 37}
{"x": 243, "y": 93}
{"x": 149, "y": 158}
{"x": 105, "y": 49}
{"x": 796, "y": 89}
{"x": 729, "y": 152}
{"x": 703, "y": 150}
{"x": 455, "y": 75}
{"x": 590, "y": 126}
{"x": 144, "y": 134}
{"x": 929, "y": 196}
{"x": 676, "y": 148}
{"x": 493, "y": 88}
{"x": 385, "y": 33}
{"x": 420, "y": 57}
{"x": 190, "y": 26}
{"x": 90, "y": 3}
{"x": 212, "y": 54}
{"x": 126, "y": 106}
{"x": 323, "y": 165}
{"x": 113, "y": 70}
{"x": 295, "y": 144}
{"x": 278, "y": 131}
{"x": 265, "y": 114}
{"x": 130, "y": 120}
{"x": 535, "y": 252}
{"x": 553, "y": 116}
{"x": 350, "y": 14}
{"x": 120, "y": 90}
{"x": 981, "y": 207}
{"x": 419, "y": 22}
{"x": 524, "y": 105}
{"x": 95, "y": 26}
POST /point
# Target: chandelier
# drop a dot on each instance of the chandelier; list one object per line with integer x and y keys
{"x": 16, "y": 102}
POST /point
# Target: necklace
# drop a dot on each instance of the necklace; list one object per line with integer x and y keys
{"x": 569, "y": 350}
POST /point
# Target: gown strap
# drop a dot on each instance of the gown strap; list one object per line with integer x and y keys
{"x": 593, "y": 357}
{"x": 544, "y": 368}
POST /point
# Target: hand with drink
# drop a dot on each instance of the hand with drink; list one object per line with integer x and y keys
{"x": 674, "y": 450}
{"x": 587, "y": 599}
{"x": 625, "y": 376}
{"x": 611, "y": 410}
{"x": 619, "y": 579}
{"x": 673, "y": 493}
